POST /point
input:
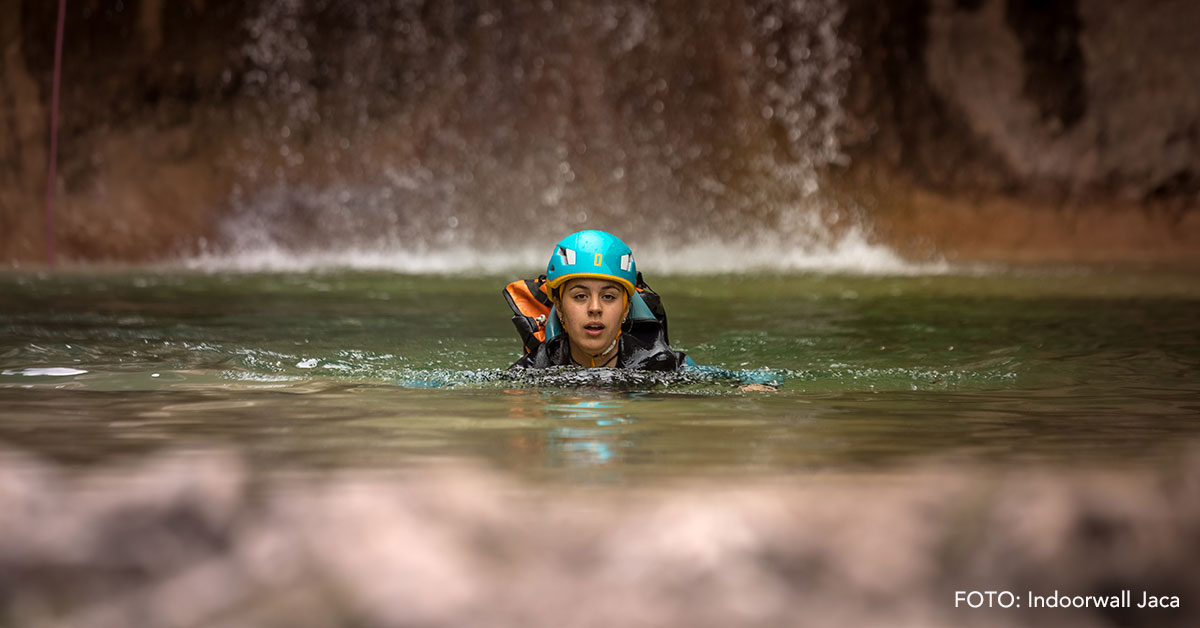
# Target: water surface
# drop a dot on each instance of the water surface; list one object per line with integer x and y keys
{"x": 1079, "y": 366}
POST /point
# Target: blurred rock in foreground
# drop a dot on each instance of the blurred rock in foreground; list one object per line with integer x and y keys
{"x": 193, "y": 539}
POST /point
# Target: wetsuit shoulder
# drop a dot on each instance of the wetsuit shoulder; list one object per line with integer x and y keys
{"x": 553, "y": 352}
{"x": 524, "y": 362}
{"x": 657, "y": 356}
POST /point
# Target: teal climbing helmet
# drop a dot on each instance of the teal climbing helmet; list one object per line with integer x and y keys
{"x": 592, "y": 254}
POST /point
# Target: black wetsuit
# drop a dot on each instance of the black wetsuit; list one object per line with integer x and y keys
{"x": 632, "y": 353}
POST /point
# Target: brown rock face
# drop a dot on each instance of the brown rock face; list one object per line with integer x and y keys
{"x": 1028, "y": 130}
{"x": 364, "y": 124}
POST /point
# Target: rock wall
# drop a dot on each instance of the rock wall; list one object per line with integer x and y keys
{"x": 140, "y": 174}
{"x": 927, "y": 119}
{"x": 1023, "y": 96}
{"x": 1027, "y": 130}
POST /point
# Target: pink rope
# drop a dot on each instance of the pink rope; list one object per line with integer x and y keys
{"x": 52, "y": 175}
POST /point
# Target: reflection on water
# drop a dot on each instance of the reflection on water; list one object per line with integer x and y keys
{"x": 573, "y": 432}
{"x": 574, "y": 437}
{"x": 583, "y": 432}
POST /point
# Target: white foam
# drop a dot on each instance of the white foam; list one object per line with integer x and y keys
{"x": 53, "y": 371}
{"x": 422, "y": 260}
{"x": 852, "y": 253}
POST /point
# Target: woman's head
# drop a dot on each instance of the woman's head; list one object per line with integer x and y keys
{"x": 592, "y": 278}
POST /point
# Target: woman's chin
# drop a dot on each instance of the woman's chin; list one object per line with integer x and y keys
{"x": 594, "y": 346}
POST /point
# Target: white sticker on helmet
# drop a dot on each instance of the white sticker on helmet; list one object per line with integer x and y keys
{"x": 626, "y": 261}
{"x": 567, "y": 255}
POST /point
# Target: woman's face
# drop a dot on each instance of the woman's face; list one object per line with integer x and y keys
{"x": 592, "y": 310}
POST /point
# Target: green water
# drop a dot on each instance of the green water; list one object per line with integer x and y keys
{"x": 352, "y": 369}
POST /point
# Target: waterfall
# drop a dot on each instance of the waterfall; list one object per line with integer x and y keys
{"x": 447, "y": 136}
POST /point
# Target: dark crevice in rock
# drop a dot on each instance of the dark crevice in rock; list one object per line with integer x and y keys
{"x": 1054, "y": 65}
{"x": 915, "y": 132}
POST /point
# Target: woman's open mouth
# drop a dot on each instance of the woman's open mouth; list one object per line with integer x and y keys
{"x": 594, "y": 329}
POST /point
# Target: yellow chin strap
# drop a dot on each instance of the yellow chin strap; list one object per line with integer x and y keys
{"x": 606, "y": 350}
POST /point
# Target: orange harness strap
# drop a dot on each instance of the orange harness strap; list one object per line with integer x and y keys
{"x": 530, "y": 305}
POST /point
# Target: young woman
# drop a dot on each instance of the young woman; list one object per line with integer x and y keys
{"x": 599, "y": 318}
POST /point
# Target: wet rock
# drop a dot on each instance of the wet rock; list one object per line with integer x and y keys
{"x": 196, "y": 539}
{"x": 1065, "y": 100}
